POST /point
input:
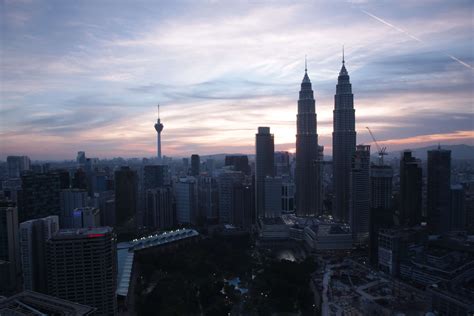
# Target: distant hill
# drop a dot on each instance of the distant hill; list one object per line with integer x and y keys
{"x": 458, "y": 152}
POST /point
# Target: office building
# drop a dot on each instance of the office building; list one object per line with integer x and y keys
{"x": 282, "y": 163}
{"x": 227, "y": 180}
{"x": 126, "y": 194}
{"x": 308, "y": 178}
{"x": 360, "y": 194}
{"x": 33, "y": 237}
{"x": 208, "y": 198}
{"x": 239, "y": 163}
{"x": 185, "y": 193}
{"x": 273, "y": 197}
{"x": 16, "y": 165}
{"x": 156, "y": 176}
{"x": 288, "y": 196}
{"x": 159, "y": 208}
{"x": 39, "y": 196}
{"x": 82, "y": 267}
{"x": 243, "y": 205}
{"x": 86, "y": 217}
{"x": 458, "y": 217}
{"x": 264, "y": 165}
{"x": 70, "y": 199}
{"x": 9, "y": 241}
{"x": 439, "y": 190}
{"x": 195, "y": 165}
{"x": 411, "y": 184}
{"x": 343, "y": 144}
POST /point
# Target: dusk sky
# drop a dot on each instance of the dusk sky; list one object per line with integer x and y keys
{"x": 87, "y": 75}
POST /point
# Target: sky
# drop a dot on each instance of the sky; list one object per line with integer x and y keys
{"x": 87, "y": 75}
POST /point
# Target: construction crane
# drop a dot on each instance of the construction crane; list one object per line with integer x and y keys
{"x": 380, "y": 150}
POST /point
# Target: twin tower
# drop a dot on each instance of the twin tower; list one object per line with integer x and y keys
{"x": 309, "y": 155}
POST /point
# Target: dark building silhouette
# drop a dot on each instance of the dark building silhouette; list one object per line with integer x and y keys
{"x": 126, "y": 194}
{"x": 80, "y": 180}
{"x": 9, "y": 247}
{"x": 195, "y": 165}
{"x": 82, "y": 267}
{"x": 239, "y": 162}
{"x": 381, "y": 209}
{"x": 439, "y": 189}
{"x": 155, "y": 176}
{"x": 410, "y": 196}
{"x": 33, "y": 237}
{"x": 343, "y": 143}
{"x": 264, "y": 165}
{"x": 308, "y": 178}
{"x": 458, "y": 220}
{"x": 359, "y": 205}
{"x": 208, "y": 198}
{"x": 39, "y": 196}
{"x": 243, "y": 205}
{"x": 159, "y": 208}
{"x": 282, "y": 163}
{"x": 227, "y": 180}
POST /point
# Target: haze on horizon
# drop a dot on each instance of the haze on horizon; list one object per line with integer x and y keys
{"x": 88, "y": 75}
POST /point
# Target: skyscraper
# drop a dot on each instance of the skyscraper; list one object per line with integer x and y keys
{"x": 308, "y": 181}
{"x": 33, "y": 237}
{"x": 39, "y": 196}
{"x": 208, "y": 198}
{"x": 70, "y": 199}
{"x": 411, "y": 182}
{"x": 273, "y": 197}
{"x": 159, "y": 129}
{"x": 159, "y": 208}
{"x": 9, "y": 240}
{"x": 82, "y": 267}
{"x": 227, "y": 180}
{"x": 439, "y": 190}
{"x": 17, "y": 164}
{"x": 126, "y": 194}
{"x": 195, "y": 165}
{"x": 359, "y": 197}
{"x": 185, "y": 193}
{"x": 264, "y": 165}
{"x": 343, "y": 143}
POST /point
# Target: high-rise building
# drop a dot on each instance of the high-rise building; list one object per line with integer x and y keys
{"x": 86, "y": 217}
{"x": 17, "y": 164}
{"x": 33, "y": 237}
{"x": 126, "y": 194}
{"x": 208, "y": 198}
{"x": 185, "y": 193}
{"x": 9, "y": 240}
{"x": 381, "y": 186}
{"x": 159, "y": 208}
{"x": 282, "y": 163}
{"x": 288, "y": 196}
{"x": 159, "y": 128}
{"x": 70, "y": 199}
{"x": 410, "y": 196}
{"x": 381, "y": 214}
{"x": 39, "y": 196}
{"x": 239, "y": 163}
{"x": 264, "y": 166}
{"x": 458, "y": 220}
{"x": 308, "y": 180}
{"x": 81, "y": 157}
{"x": 82, "y": 267}
{"x": 195, "y": 165}
{"x": 359, "y": 205}
{"x": 227, "y": 180}
{"x": 155, "y": 176}
{"x": 343, "y": 144}
{"x": 273, "y": 197}
{"x": 439, "y": 189}
{"x": 243, "y": 205}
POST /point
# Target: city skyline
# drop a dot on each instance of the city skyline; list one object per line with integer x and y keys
{"x": 84, "y": 81}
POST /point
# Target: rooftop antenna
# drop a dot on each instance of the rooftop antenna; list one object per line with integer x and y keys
{"x": 158, "y": 110}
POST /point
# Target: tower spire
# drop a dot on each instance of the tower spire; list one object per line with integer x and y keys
{"x": 305, "y": 64}
{"x": 343, "y": 61}
{"x": 158, "y": 110}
